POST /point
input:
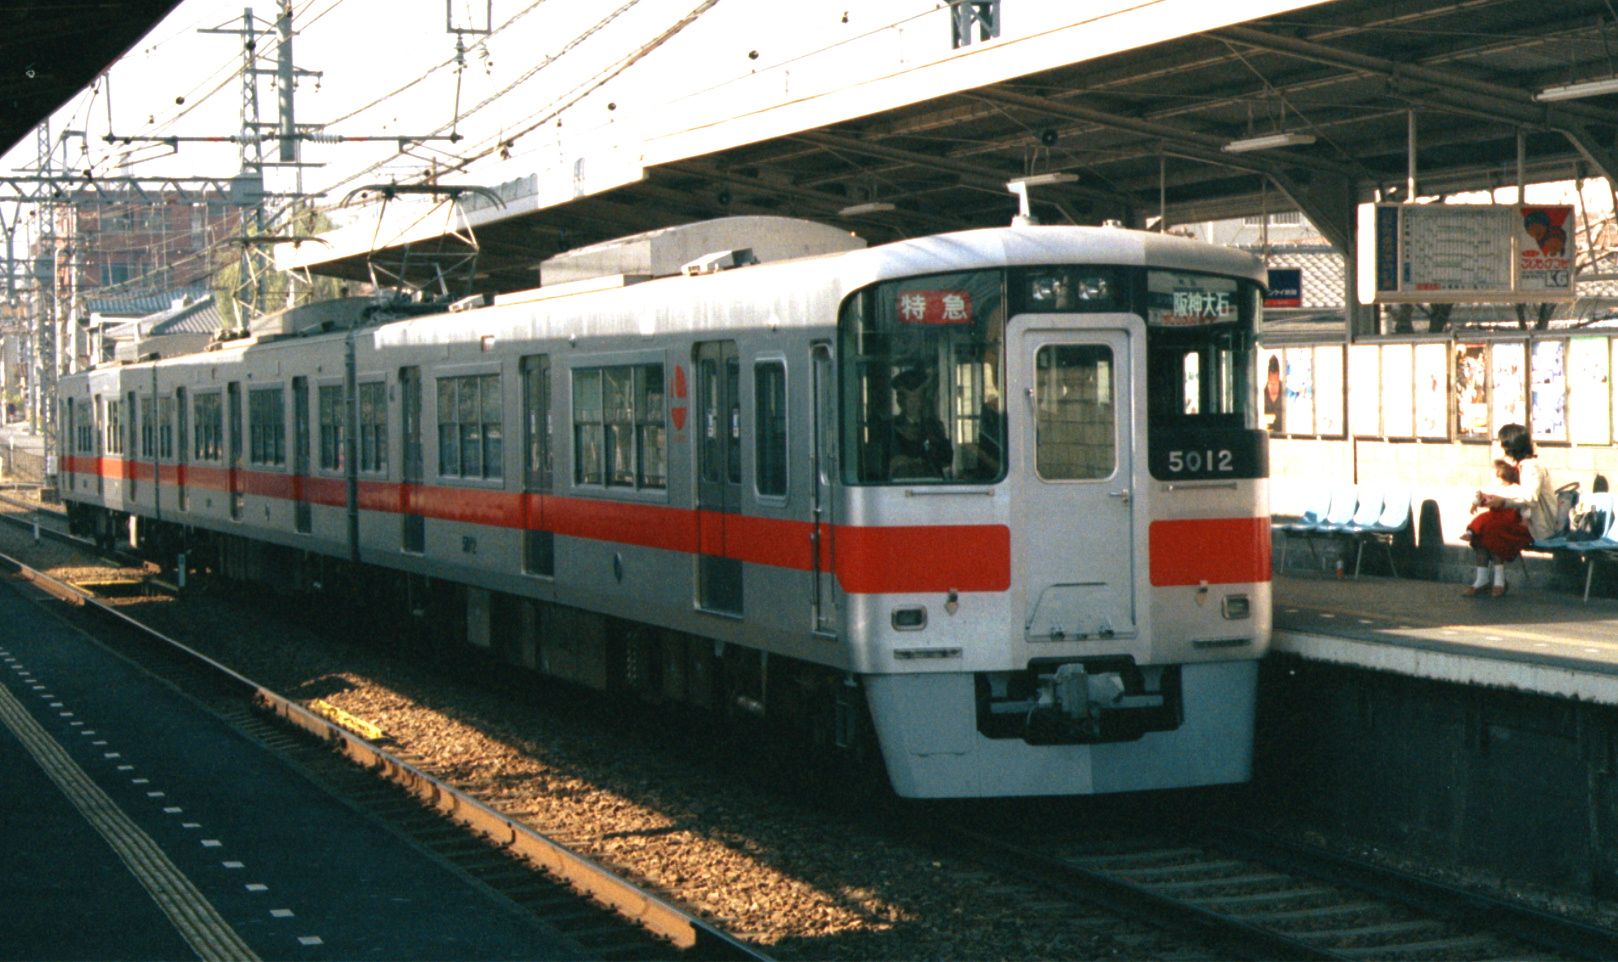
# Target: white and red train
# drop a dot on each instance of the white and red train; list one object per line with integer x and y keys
{"x": 996, "y": 499}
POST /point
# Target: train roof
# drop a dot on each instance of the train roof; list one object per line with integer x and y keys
{"x": 794, "y": 292}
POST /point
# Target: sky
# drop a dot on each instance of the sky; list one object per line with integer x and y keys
{"x": 546, "y": 78}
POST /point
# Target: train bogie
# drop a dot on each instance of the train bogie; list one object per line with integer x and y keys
{"x": 1001, "y": 493}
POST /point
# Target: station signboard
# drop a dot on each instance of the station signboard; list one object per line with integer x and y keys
{"x": 1285, "y": 287}
{"x": 1467, "y": 253}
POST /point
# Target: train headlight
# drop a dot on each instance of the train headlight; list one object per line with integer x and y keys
{"x": 1236, "y": 607}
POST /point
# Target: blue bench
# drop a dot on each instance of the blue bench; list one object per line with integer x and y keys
{"x": 1592, "y": 542}
{"x": 1357, "y": 514}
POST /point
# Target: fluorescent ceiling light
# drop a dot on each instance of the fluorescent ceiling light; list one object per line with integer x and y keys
{"x": 1587, "y": 88}
{"x": 1268, "y": 142}
{"x": 1040, "y": 180}
{"x": 855, "y": 210}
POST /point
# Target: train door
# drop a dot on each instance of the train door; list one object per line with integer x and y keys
{"x": 100, "y": 444}
{"x": 302, "y": 513}
{"x": 719, "y": 474}
{"x": 538, "y": 545}
{"x": 234, "y": 461}
{"x": 823, "y": 437}
{"x": 1075, "y": 480}
{"x": 413, "y": 537}
{"x": 182, "y": 445}
{"x": 132, "y": 451}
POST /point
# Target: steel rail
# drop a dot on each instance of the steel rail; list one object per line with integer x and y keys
{"x": 1545, "y": 929}
{"x": 654, "y": 914}
{"x": 1238, "y": 938}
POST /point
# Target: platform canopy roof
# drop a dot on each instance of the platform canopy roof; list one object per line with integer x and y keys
{"x": 1148, "y": 131}
{"x": 50, "y": 50}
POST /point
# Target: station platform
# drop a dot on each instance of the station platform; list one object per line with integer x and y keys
{"x": 136, "y": 826}
{"x": 1546, "y": 642}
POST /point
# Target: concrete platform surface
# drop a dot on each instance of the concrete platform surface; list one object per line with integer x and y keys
{"x": 1542, "y": 641}
{"x": 135, "y": 826}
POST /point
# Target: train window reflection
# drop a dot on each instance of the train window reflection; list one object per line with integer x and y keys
{"x": 1075, "y": 421}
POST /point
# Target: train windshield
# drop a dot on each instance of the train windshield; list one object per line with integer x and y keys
{"x": 923, "y": 367}
{"x": 1201, "y": 399}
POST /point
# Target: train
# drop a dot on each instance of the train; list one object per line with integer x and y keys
{"x": 989, "y": 505}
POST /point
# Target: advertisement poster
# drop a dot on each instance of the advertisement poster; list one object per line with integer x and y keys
{"x": 1398, "y": 394}
{"x": 1300, "y": 384}
{"x": 1589, "y": 393}
{"x": 1547, "y": 399}
{"x": 1432, "y": 391}
{"x": 1471, "y": 392}
{"x": 1545, "y": 249}
{"x": 1329, "y": 390}
{"x": 1508, "y": 383}
{"x": 1272, "y": 392}
{"x": 1365, "y": 390}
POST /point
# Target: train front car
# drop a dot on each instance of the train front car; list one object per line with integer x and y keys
{"x": 1055, "y": 543}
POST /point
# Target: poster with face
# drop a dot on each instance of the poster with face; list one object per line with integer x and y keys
{"x": 1272, "y": 391}
{"x": 1329, "y": 390}
{"x": 1545, "y": 248}
{"x": 1508, "y": 383}
{"x": 1471, "y": 392}
{"x": 1365, "y": 390}
{"x": 1547, "y": 402}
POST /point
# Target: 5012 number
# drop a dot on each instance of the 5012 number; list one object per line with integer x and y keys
{"x": 1218, "y": 460}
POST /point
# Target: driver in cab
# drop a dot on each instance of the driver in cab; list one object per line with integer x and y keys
{"x": 918, "y": 446}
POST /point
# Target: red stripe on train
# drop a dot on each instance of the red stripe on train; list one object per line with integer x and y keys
{"x": 866, "y": 560}
{"x": 1220, "y": 551}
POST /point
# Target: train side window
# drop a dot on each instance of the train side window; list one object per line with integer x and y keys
{"x": 1075, "y": 419}
{"x": 373, "y": 427}
{"x": 266, "y": 426}
{"x": 588, "y": 427}
{"x": 208, "y": 427}
{"x": 147, "y": 440}
{"x": 536, "y": 405}
{"x": 619, "y": 432}
{"x": 331, "y": 427}
{"x": 652, "y": 455}
{"x": 470, "y": 427}
{"x": 770, "y": 428}
{"x": 165, "y": 428}
{"x": 113, "y": 439}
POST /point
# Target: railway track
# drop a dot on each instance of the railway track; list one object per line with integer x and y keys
{"x": 1219, "y": 895}
{"x": 1261, "y": 898}
{"x": 609, "y": 917}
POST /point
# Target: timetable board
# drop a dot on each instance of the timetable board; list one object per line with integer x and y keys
{"x": 1470, "y": 253}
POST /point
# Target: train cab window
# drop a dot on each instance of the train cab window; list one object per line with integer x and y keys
{"x": 1201, "y": 394}
{"x": 922, "y": 370}
{"x": 770, "y": 412}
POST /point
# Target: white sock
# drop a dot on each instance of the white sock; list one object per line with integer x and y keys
{"x": 1482, "y": 577}
{"x": 1499, "y": 576}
